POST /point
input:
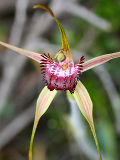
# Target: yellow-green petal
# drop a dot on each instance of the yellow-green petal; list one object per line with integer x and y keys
{"x": 99, "y": 60}
{"x": 65, "y": 45}
{"x": 33, "y": 55}
{"x": 85, "y": 105}
{"x": 44, "y": 100}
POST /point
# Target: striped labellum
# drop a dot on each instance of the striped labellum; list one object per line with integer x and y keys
{"x": 60, "y": 77}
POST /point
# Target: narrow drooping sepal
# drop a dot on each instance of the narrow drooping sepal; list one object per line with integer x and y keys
{"x": 44, "y": 100}
{"x": 65, "y": 45}
{"x": 85, "y": 105}
{"x": 58, "y": 78}
{"x": 99, "y": 60}
{"x": 33, "y": 55}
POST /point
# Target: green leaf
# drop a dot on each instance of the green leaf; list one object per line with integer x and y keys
{"x": 99, "y": 60}
{"x": 85, "y": 105}
{"x": 33, "y": 55}
{"x": 44, "y": 100}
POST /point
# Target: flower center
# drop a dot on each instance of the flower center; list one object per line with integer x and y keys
{"x": 60, "y": 76}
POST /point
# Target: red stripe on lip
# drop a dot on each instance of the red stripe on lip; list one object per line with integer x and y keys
{"x": 58, "y": 78}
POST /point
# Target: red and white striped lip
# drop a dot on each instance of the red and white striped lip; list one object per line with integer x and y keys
{"x": 58, "y": 78}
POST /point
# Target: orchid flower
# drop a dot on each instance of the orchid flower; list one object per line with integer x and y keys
{"x": 60, "y": 73}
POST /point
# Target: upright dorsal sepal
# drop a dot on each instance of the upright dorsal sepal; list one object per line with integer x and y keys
{"x": 65, "y": 45}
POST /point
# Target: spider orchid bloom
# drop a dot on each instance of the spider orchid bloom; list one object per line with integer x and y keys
{"x": 60, "y": 73}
